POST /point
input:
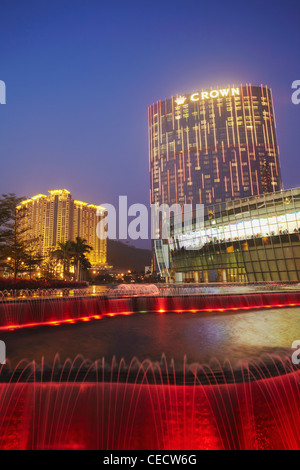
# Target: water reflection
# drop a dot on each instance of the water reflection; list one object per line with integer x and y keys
{"x": 202, "y": 338}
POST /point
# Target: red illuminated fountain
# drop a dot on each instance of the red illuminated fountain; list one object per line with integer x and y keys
{"x": 42, "y": 308}
{"x": 145, "y": 406}
{"x": 93, "y": 405}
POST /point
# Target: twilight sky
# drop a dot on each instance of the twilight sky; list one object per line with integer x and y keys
{"x": 80, "y": 75}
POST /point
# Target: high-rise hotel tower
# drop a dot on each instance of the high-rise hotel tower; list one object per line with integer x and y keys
{"x": 57, "y": 218}
{"x": 213, "y": 146}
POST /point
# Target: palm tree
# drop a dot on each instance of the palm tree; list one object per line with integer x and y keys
{"x": 80, "y": 248}
{"x": 65, "y": 253}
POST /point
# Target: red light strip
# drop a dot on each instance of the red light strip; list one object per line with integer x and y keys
{"x": 160, "y": 311}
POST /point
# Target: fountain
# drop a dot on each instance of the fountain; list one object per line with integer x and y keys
{"x": 94, "y": 404}
{"x": 32, "y": 308}
{"x": 84, "y": 405}
{"x": 130, "y": 290}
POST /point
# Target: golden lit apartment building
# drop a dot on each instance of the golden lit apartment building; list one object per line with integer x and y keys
{"x": 58, "y": 217}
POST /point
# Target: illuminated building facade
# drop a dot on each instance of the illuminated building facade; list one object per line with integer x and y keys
{"x": 85, "y": 221}
{"x": 245, "y": 240}
{"x": 213, "y": 146}
{"x": 57, "y": 218}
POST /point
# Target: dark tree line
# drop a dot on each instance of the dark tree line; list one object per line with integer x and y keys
{"x": 18, "y": 251}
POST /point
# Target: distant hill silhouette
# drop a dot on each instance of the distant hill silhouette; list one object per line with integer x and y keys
{"x": 123, "y": 256}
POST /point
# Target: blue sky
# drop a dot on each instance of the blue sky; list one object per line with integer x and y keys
{"x": 80, "y": 76}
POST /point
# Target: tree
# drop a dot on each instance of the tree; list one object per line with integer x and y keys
{"x": 49, "y": 268}
{"x": 18, "y": 250}
{"x": 22, "y": 248}
{"x": 65, "y": 253}
{"x": 8, "y": 204}
{"x": 84, "y": 265}
{"x": 80, "y": 249}
{"x": 12, "y": 233}
{"x": 33, "y": 257}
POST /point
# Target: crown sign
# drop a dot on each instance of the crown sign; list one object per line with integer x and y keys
{"x": 180, "y": 99}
